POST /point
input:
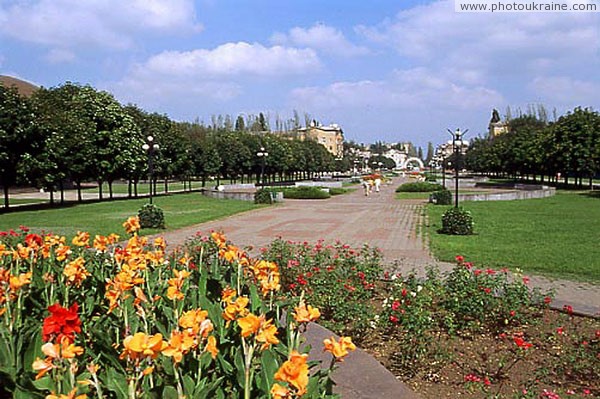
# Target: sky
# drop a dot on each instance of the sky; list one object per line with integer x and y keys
{"x": 391, "y": 71}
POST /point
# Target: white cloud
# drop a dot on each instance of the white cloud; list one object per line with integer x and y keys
{"x": 565, "y": 91}
{"x": 233, "y": 59}
{"x": 320, "y": 37}
{"x": 489, "y": 44}
{"x": 60, "y": 56}
{"x": 413, "y": 89}
{"x": 107, "y": 23}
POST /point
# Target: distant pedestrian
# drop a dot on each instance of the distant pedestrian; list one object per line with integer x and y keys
{"x": 366, "y": 187}
{"x": 377, "y": 183}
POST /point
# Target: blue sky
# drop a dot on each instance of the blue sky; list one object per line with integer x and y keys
{"x": 382, "y": 70}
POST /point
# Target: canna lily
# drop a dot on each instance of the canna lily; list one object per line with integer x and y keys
{"x": 219, "y": 239}
{"x": 179, "y": 344}
{"x": 61, "y": 252}
{"x": 266, "y": 334}
{"x": 339, "y": 349}
{"x": 305, "y": 314}
{"x": 249, "y": 324}
{"x": 132, "y": 225}
{"x": 294, "y": 371}
{"x": 82, "y": 239}
{"x": 196, "y": 321}
{"x": 280, "y": 392}
{"x": 238, "y": 308}
{"x": 75, "y": 272}
{"x": 101, "y": 243}
{"x": 141, "y": 345}
{"x": 61, "y": 324}
{"x": 70, "y": 395}
{"x": 211, "y": 347}
{"x": 228, "y": 294}
{"x": 176, "y": 283}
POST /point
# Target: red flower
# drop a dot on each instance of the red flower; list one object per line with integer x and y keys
{"x": 361, "y": 275}
{"x": 394, "y": 319}
{"x": 24, "y": 229}
{"x": 560, "y": 330}
{"x": 490, "y": 271}
{"x": 521, "y": 343}
{"x": 525, "y": 280}
{"x": 460, "y": 258}
{"x": 395, "y": 305}
{"x": 568, "y": 309}
{"x": 33, "y": 240}
{"x": 404, "y": 292}
{"x": 547, "y": 300}
{"x": 477, "y": 272}
{"x": 61, "y": 324}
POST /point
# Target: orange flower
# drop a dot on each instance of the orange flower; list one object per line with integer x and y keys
{"x": 22, "y": 252}
{"x": 141, "y": 345}
{"x": 101, "y": 243}
{"x": 176, "y": 283}
{"x": 160, "y": 243}
{"x": 70, "y": 395}
{"x": 62, "y": 252}
{"x": 219, "y": 238}
{"x": 75, "y": 272}
{"x": 211, "y": 347}
{"x": 179, "y": 345}
{"x": 238, "y": 308}
{"x": 132, "y": 225}
{"x": 266, "y": 334}
{"x": 196, "y": 321}
{"x": 82, "y": 239}
{"x": 42, "y": 366}
{"x": 295, "y": 372}
{"x": 249, "y": 324}
{"x": 305, "y": 314}
{"x": 267, "y": 274}
{"x": 64, "y": 350}
{"x": 17, "y": 282}
{"x": 280, "y": 392}
{"x": 228, "y": 294}
{"x": 339, "y": 349}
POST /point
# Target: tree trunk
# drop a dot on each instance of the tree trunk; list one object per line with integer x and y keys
{"x": 61, "y": 186}
{"x": 79, "y": 199}
{"x": 5, "y": 188}
{"x": 135, "y": 188}
{"x": 100, "y": 190}
{"x": 166, "y": 185}
{"x": 51, "y": 196}
{"x": 110, "y": 190}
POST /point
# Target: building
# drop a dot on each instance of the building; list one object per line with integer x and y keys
{"x": 332, "y": 137}
{"x": 496, "y": 126}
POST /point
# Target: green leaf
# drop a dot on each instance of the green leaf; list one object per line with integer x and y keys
{"x": 268, "y": 370}
{"x": 117, "y": 383}
{"x": 44, "y": 383}
{"x": 170, "y": 393}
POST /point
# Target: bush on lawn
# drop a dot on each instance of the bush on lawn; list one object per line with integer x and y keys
{"x": 441, "y": 197}
{"x": 419, "y": 187}
{"x": 151, "y": 217}
{"x": 457, "y": 221}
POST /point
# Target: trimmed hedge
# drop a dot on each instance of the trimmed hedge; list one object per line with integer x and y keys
{"x": 305, "y": 192}
{"x": 441, "y": 197}
{"x": 419, "y": 187}
{"x": 263, "y": 196}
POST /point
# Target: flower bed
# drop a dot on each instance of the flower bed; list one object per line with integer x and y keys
{"x": 89, "y": 318}
{"x": 477, "y": 333}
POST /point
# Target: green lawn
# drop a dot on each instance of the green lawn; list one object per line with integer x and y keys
{"x": 21, "y": 201}
{"x": 107, "y": 217}
{"x": 413, "y": 195}
{"x": 556, "y": 236}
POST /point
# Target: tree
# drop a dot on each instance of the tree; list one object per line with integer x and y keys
{"x": 18, "y": 138}
{"x": 240, "y": 125}
{"x": 430, "y": 153}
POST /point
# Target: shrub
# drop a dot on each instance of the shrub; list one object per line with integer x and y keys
{"x": 441, "y": 197}
{"x": 263, "y": 196}
{"x": 419, "y": 187}
{"x": 151, "y": 217}
{"x": 337, "y": 279}
{"x": 337, "y": 191}
{"x": 457, "y": 221}
{"x": 306, "y": 192}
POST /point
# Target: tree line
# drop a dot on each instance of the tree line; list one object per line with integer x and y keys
{"x": 72, "y": 134}
{"x": 540, "y": 149}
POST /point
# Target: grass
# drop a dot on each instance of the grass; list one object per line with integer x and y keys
{"x": 409, "y": 195}
{"x": 555, "y": 236}
{"x": 106, "y": 217}
{"x": 21, "y": 201}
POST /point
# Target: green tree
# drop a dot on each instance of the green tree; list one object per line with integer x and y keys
{"x": 19, "y": 139}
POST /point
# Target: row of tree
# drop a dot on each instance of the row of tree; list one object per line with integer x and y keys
{"x": 534, "y": 147}
{"x": 72, "y": 134}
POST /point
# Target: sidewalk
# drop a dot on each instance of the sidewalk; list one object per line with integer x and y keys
{"x": 380, "y": 221}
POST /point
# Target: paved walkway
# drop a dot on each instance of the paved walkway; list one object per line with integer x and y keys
{"x": 380, "y": 221}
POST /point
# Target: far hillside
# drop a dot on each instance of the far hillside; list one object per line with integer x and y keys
{"x": 25, "y": 89}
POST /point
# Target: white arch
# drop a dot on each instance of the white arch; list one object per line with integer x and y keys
{"x": 413, "y": 159}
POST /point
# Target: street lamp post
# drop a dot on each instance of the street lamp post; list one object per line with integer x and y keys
{"x": 149, "y": 146}
{"x": 262, "y": 154}
{"x": 457, "y": 146}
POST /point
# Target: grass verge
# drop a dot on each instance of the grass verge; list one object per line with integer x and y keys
{"x": 556, "y": 236}
{"x": 180, "y": 210}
